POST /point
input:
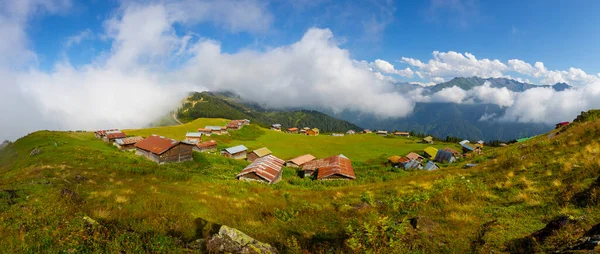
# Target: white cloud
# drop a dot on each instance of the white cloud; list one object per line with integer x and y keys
{"x": 149, "y": 68}
{"x": 447, "y": 65}
{"x": 388, "y": 68}
{"x": 481, "y": 94}
{"x": 78, "y": 38}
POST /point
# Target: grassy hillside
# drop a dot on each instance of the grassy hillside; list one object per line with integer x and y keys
{"x": 139, "y": 206}
{"x": 227, "y": 105}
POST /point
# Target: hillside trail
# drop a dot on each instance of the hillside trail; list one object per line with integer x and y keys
{"x": 174, "y": 115}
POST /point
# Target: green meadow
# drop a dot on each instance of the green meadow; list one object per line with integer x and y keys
{"x": 359, "y": 147}
{"x": 82, "y": 195}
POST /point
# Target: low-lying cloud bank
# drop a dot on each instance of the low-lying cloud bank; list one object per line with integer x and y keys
{"x": 147, "y": 71}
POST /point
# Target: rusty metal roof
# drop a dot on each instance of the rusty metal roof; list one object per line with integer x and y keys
{"x": 454, "y": 152}
{"x": 103, "y": 132}
{"x": 235, "y": 124}
{"x": 115, "y": 134}
{"x": 414, "y": 156}
{"x": 207, "y": 144}
{"x": 156, "y": 145}
{"x": 334, "y": 165}
{"x": 267, "y": 168}
{"x": 293, "y": 129}
{"x": 128, "y": 141}
{"x": 398, "y": 159}
{"x": 302, "y": 159}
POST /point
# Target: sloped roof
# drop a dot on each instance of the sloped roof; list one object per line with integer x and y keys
{"x": 412, "y": 164}
{"x": 464, "y": 142}
{"x": 401, "y": 133}
{"x": 276, "y": 125}
{"x": 428, "y": 139}
{"x": 193, "y": 135}
{"x": 443, "y": 156}
{"x": 468, "y": 146}
{"x": 454, "y": 152}
{"x": 292, "y": 129}
{"x": 414, "y": 156}
{"x": 315, "y": 129}
{"x": 115, "y": 134}
{"x": 103, "y": 132}
{"x": 128, "y": 141}
{"x": 235, "y": 124}
{"x": 236, "y": 149}
{"x": 334, "y": 165}
{"x": 302, "y": 159}
{"x": 214, "y": 128}
{"x": 206, "y": 144}
{"x": 156, "y": 145}
{"x": 431, "y": 166}
{"x": 382, "y": 132}
{"x": 398, "y": 159}
{"x": 431, "y": 151}
{"x": 203, "y": 129}
{"x": 267, "y": 168}
{"x": 261, "y": 152}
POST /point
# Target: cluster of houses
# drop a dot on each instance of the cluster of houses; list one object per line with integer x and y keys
{"x": 294, "y": 130}
{"x": 434, "y": 155}
{"x": 264, "y": 167}
{"x": 268, "y": 168}
{"x": 221, "y": 130}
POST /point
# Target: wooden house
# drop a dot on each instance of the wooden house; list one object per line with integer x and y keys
{"x": 402, "y": 134}
{"x": 299, "y": 161}
{"x": 415, "y": 157}
{"x": 454, "y": 152}
{"x": 258, "y": 153}
{"x": 337, "y": 134}
{"x": 431, "y": 166}
{"x": 163, "y": 150}
{"x": 276, "y": 127}
{"x": 217, "y": 130}
{"x": 112, "y": 135}
{"x": 237, "y": 124}
{"x": 127, "y": 143}
{"x": 444, "y": 156}
{"x": 366, "y": 131}
{"x": 207, "y": 146}
{"x": 205, "y": 131}
{"x": 351, "y": 132}
{"x": 266, "y": 169}
{"x": 382, "y": 133}
{"x": 193, "y": 137}
{"x": 467, "y": 147}
{"x": 481, "y": 143}
{"x": 236, "y": 152}
{"x": 313, "y": 132}
{"x": 101, "y": 133}
{"x": 428, "y": 140}
{"x": 336, "y": 167}
{"x": 397, "y": 161}
{"x": 431, "y": 152}
{"x": 292, "y": 130}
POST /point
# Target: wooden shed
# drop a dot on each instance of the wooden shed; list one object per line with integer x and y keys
{"x": 127, "y": 143}
{"x": 266, "y": 169}
{"x": 402, "y": 134}
{"x": 312, "y": 132}
{"x": 193, "y": 137}
{"x": 162, "y": 150}
{"x": 236, "y": 152}
{"x": 276, "y": 127}
{"x": 258, "y": 153}
{"x": 336, "y": 167}
{"x": 207, "y": 146}
{"x": 415, "y": 157}
{"x": 299, "y": 161}
{"x": 431, "y": 152}
{"x": 112, "y": 135}
{"x": 292, "y": 130}
{"x": 101, "y": 133}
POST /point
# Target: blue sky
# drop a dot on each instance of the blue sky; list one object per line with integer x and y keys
{"x": 561, "y": 34}
{"x": 97, "y": 64}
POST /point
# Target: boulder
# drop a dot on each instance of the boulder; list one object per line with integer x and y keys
{"x": 231, "y": 240}
{"x": 589, "y": 243}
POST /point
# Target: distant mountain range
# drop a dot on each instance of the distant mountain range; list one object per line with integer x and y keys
{"x": 471, "y": 82}
{"x": 469, "y": 121}
{"x": 231, "y": 106}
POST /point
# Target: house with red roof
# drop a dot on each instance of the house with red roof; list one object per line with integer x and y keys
{"x": 162, "y": 150}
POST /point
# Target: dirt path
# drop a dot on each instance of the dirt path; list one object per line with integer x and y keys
{"x": 174, "y": 115}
